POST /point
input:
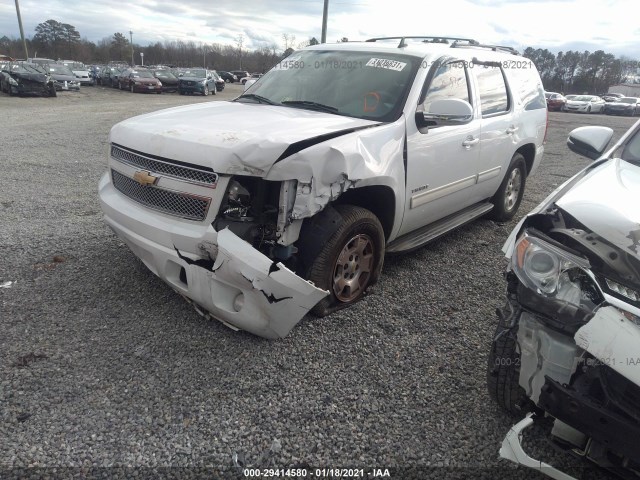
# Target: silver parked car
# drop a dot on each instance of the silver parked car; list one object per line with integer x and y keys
{"x": 584, "y": 104}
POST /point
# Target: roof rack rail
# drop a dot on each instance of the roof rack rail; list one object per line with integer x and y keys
{"x": 457, "y": 42}
{"x": 426, "y": 39}
{"x": 495, "y": 48}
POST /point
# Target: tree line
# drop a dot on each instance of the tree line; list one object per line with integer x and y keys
{"x": 567, "y": 72}
{"x": 581, "y": 72}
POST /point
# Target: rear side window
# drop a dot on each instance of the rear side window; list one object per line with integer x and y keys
{"x": 527, "y": 85}
{"x": 449, "y": 81}
{"x": 494, "y": 98}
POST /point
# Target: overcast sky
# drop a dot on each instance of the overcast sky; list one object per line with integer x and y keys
{"x": 610, "y": 25}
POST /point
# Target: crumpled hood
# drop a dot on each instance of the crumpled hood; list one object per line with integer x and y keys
{"x": 30, "y": 77}
{"x": 606, "y": 201}
{"x": 230, "y": 137}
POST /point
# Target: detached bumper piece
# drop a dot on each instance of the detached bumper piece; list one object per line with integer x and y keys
{"x": 512, "y": 450}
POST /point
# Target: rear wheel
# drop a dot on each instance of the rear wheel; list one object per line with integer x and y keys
{"x": 350, "y": 260}
{"x": 507, "y": 199}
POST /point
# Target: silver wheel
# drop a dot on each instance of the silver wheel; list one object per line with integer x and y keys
{"x": 206, "y": 91}
{"x": 353, "y": 268}
{"x": 512, "y": 191}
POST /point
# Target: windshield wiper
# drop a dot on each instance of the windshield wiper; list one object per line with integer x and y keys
{"x": 258, "y": 98}
{"x": 311, "y": 105}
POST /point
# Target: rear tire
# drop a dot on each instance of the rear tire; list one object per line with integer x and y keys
{"x": 507, "y": 199}
{"x": 350, "y": 260}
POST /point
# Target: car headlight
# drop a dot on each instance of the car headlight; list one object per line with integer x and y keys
{"x": 548, "y": 269}
{"x": 203, "y": 81}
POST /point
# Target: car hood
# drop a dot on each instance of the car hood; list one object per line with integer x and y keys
{"x": 193, "y": 79}
{"x": 231, "y": 137}
{"x": 145, "y": 80}
{"x": 80, "y": 72}
{"x": 578, "y": 103}
{"x": 613, "y": 215}
{"x": 620, "y": 105}
{"x": 31, "y": 77}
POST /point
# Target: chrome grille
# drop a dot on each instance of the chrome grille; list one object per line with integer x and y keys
{"x": 174, "y": 203}
{"x": 165, "y": 167}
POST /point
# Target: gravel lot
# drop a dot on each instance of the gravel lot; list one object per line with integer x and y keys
{"x": 102, "y": 365}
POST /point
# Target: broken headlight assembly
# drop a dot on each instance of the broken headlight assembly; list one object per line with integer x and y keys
{"x": 554, "y": 282}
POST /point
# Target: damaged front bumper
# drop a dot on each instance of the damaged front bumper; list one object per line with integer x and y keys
{"x": 511, "y": 449}
{"x": 227, "y": 277}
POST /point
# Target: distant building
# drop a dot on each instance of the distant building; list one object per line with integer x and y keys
{"x": 631, "y": 88}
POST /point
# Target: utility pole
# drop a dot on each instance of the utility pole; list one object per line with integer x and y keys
{"x": 24, "y": 42}
{"x": 131, "y": 37}
{"x": 325, "y": 14}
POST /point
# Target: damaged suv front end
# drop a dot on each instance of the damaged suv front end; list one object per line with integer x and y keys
{"x": 567, "y": 347}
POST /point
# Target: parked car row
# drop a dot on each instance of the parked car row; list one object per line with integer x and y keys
{"x": 611, "y": 104}
{"x": 185, "y": 81}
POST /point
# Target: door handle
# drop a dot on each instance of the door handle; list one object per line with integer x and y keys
{"x": 512, "y": 129}
{"x": 470, "y": 141}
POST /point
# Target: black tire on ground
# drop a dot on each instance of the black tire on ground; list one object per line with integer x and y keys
{"x": 52, "y": 91}
{"x": 350, "y": 261}
{"x": 507, "y": 199}
{"x": 206, "y": 91}
{"x": 214, "y": 91}
{"x": 503, "y": 370}
{"x": 132, "y": 91}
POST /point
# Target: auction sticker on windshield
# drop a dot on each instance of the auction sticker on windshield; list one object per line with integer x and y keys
{"x": 388, "y": 64}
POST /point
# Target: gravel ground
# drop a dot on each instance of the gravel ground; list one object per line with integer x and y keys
{"x": 104, "y": 370}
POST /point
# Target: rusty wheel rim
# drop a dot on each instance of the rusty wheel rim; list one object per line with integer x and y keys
{"x": 353, "y": 268}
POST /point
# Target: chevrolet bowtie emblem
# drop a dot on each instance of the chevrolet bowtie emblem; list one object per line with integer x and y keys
{"x": 145, "y": 178}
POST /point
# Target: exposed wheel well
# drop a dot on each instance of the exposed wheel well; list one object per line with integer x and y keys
{"x": 379, "y": 199}
{"x": 528, "y": 151}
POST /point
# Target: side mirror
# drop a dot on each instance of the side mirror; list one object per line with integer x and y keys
{"x": 589, "y": 142}
{"x": 447, "y": 111}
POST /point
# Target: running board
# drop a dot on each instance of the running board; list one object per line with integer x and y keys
{"x": 430, "y": 232}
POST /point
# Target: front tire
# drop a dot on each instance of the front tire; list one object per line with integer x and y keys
{"x": 132, "y": 88}
{"x": 507, "y": 199}
{"x": 206, "y": 91}
{"x": 503, "y": 368}
{"x": 350, "y": 260}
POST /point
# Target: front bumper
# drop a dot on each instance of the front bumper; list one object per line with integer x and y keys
{"x": 228, "y": 278}
{"x": 511, "y": 449}
{"x": 66, "y": 86}
{"x": 146, "y": 88}
{"x": 197, "y": 88}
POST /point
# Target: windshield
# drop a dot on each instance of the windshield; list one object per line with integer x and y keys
{"x": 197, "y": 73}
{"x": 628, "y": 100}
{"x": 26, "y": 68}
{"x": 142, "y": 74}
{"x": 60, "y": 70}
{"x": 164, "y": 74}
{"x": 365, "y": 85}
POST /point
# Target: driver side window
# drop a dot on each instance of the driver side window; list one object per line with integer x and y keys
{"x": 449, "y": 81}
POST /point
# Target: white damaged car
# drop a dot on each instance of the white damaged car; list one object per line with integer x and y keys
{"x": 567, "y": 347}
{"x": 287, "y": 198}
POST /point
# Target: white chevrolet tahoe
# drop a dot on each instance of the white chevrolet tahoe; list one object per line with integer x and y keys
{"x": 286, "y": 199}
